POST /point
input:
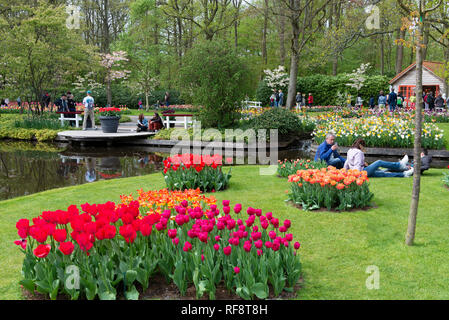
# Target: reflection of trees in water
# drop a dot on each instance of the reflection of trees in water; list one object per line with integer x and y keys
{"x": 26, "y": 173}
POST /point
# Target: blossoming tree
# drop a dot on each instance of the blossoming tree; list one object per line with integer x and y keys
{"x": 276, "y": 78}
{"x": 113, "y": 65}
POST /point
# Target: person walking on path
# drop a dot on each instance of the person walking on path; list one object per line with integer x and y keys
{"x": 272, "y": 99}
{"x": 426, "y": 104}
{"x": 372, "y": 102}
{"x": 359, "y": 102}
{"x": 382, "y": 101}
{"x": 356, "y": 161}
{"x": 439, "y": 102}
{"x": 140, "y": 104}
{"x": 310, "y": 100}
{"x": 276, "y": 103}
{"x": 392, "y": 100}
{"x": 19, "y": 102}
{"x": 167, "y": 99}
{"x": 298, "y": 100}
{"x": 431, "y": 101}
{"x": 88, "y": 103}
{"x": 400, "y": 101}
{"x": 281, "y": 98}
{"x": 413, "y": 101}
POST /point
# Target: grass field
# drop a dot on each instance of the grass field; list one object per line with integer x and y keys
{"x": 336, "y": 248}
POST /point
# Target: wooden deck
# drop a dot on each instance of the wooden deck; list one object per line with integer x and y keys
{"x": 89, "y": 136}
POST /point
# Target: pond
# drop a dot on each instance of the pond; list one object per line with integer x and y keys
{"x": 27, "y": 168}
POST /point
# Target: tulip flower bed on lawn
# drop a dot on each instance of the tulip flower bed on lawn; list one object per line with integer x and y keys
{"x": 388, "y": 132}
{"x": 286, "y": 168}
{"x": 115, "y": 249}
{"x": 330, "y": 188}
{"x": 191, "y": 171}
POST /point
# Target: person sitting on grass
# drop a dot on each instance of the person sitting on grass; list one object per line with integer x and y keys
{"x": 156, "y": 123}
{"x": 426, "y": 160}
{"x": 142, "y": 123}
{"x": 356, "y": 160}
{"x": 327, "y": 151}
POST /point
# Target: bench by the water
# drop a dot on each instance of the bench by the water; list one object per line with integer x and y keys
{"x": 186, "y": 121}
{"x": 77, "y": 118}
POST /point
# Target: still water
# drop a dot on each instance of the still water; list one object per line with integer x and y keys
{"x": 27, "y": 168}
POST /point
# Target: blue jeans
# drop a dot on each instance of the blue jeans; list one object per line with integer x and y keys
{"x": 392, "y": 107}
{"x": 374, "y": 173}
{"x": 337, "y": 163}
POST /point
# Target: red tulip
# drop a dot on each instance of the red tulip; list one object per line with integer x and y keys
{"x": 42, "y": 250}
{"x": 66, "y": 248}
{"x": 227, "y": 250}
{"x": 237, "y": 270}
{"x": 60, "y": 235}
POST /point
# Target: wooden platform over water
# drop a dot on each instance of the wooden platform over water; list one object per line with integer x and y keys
{"x": 90, "y": 136}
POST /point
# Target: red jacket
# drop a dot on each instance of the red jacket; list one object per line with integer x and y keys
{"x": 310, "y": 99}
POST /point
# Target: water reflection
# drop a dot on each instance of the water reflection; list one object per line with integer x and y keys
{"x": 27, "y": 168}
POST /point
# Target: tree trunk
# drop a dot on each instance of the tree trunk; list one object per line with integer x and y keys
{"x": 291, "y": 101}
{"x": 425, "y": 40}
{"x": 264, "y": 34}
{"x": 334, "y": 66}
{"x": 282, "y": 53}
{"x": 410, "y": 236}
{"x": 108, "y": 92}
{"x": 382, "y": 55}
{"x": 446, "y": 61}
{"x": 400, "y": 51}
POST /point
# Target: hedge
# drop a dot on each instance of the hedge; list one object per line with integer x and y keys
{"x": 324, "y": 88}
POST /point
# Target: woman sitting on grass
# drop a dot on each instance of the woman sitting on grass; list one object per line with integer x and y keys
{"x": 356, "y": 160}
{"x": 142, "y": 123}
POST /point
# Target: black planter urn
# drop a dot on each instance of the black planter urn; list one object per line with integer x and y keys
{"x": 109, "y": 124}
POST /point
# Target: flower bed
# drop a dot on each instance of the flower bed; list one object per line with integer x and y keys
{"x": 111, "y": 247}
{"x": 330, "y": 188}
{"x": 387, "y": 132}
{"x": 287, "y": 168}
{"x": 110, "y": 112}
{"x": 190, "y": 171}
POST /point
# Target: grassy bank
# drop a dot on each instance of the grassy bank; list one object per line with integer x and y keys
{"x": 336, "y": 248}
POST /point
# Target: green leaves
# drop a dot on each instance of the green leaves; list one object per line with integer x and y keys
{"x": 207, "y": 179}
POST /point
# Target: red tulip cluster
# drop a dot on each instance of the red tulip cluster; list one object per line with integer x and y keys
{"x": 96, "y": 222}
{"x": 196, "y": 161}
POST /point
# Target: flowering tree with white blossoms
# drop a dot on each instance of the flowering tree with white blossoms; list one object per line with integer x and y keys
{"x": 87, "y": 82}
{"x": 112, "y": 64}
{"x": 357, "y": 78}
{"x": 277, "y": 78}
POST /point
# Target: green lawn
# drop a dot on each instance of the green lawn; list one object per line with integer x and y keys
{"x": 335, "y": 249}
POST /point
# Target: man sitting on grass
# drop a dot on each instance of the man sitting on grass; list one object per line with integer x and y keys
{"x": 426, "y": 160}
{"x": 327, "y": 151}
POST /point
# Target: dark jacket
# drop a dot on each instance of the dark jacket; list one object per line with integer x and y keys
{"x": 439, "y": 102}
{"x": 62, "y": 105}
{"x": 299, "y": 98}
{"x": 425, "y": 163}
{"x": 324, "y": 153}
{"x": 392, "y": 99}
{"x": 431, "y": 101}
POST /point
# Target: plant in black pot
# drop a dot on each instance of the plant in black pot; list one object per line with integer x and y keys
{"x": 109, "y": 119}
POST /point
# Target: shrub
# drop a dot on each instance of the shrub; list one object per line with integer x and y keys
{"x": 183, "y": 237}
{"x": 330, "y": 188}
{"x": 325, "y": 88}
{"x": 189, "y": 171}
{"x": 214, "y": 76}
{"x": 285, "y": 121}
{"x": 287, "y": 168}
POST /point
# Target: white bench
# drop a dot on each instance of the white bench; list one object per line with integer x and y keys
{"x": 186, "y": 120}
{"x": 252, "y": 104}
{"x": 77, "y": 118}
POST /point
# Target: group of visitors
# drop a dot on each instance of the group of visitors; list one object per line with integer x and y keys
{"x": 328, "y": 152}
{"x": 159, "y": 104}
{"x": 277, "y": 99}
{"x": 302, "y": 100}
{"x": 397, "y": 101}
